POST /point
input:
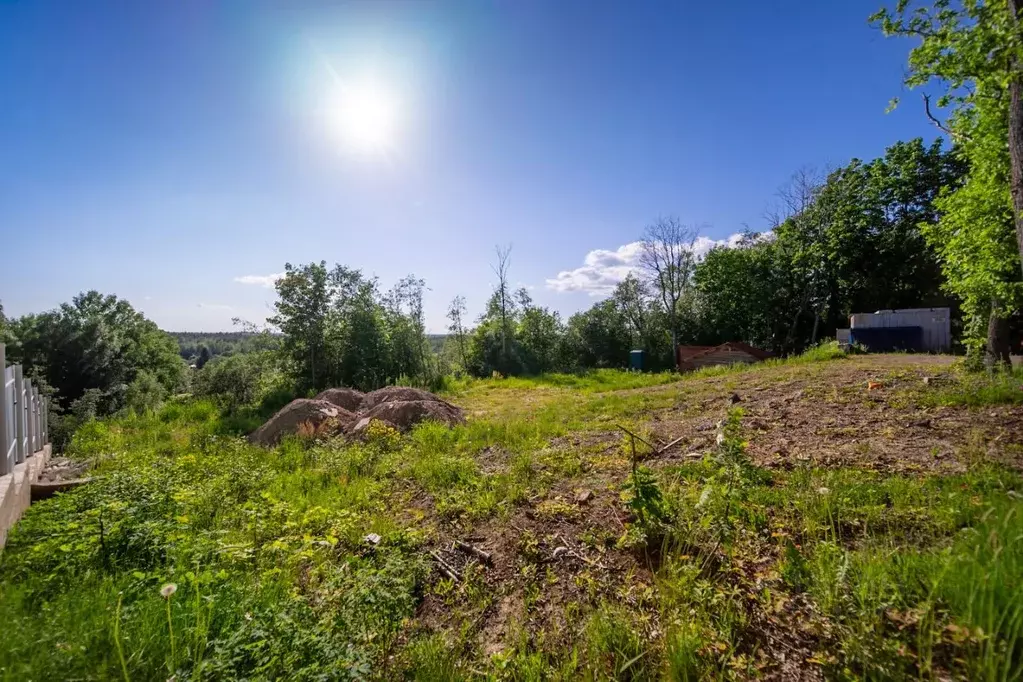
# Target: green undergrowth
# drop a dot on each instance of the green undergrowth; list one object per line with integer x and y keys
{"x": 976, "y": 389}
{"x": 861, "y": 574}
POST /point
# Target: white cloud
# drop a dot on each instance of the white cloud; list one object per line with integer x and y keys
{"x": 602, "y": 270}
{"x": 267, "y": 281}
{"x": 215, "y": 306}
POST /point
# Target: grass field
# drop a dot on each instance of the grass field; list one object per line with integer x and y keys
{"x": 803, "y": 526}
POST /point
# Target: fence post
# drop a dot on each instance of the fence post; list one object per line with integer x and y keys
{"x": 19, "y": 414}
{"x": 36, "y": 436}
{"x": 5, "y": 429}
{"x": 30, "y": 418}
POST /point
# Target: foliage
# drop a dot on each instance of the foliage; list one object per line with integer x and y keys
{"x": 274, "y": 578}
{"x": 191, "y": 344}
{"x": 239, "y": 379}
{"x": 972, "y": 52}
{"x": 97, "y": 343}
{"x": 855, "y": 243}
{"x": 339, "y": 330}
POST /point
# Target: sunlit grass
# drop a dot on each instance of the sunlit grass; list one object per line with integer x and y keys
{"x": 909, "y": 576}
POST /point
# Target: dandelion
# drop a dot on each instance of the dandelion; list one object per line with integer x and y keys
{"x": 166, "y": 591}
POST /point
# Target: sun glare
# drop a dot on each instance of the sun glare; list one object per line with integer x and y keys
{"x": 365, "y": 117}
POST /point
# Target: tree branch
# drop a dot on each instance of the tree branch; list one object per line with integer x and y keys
{"x": 938, "y": 124}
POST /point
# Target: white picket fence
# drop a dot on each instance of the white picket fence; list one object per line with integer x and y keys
{"x": 23, "y": 417}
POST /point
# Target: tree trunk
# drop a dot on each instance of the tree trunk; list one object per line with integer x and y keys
{"x": 1016, "y": 133}
{"x": 674, "y": 340}
{"x": 816, "y": 324}
{"x": 998, "y": 339}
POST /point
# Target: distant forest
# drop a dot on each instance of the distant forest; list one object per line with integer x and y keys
{"x": 191, "y": 344}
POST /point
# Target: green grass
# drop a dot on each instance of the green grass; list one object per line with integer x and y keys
{"x": 977, "y": 389}
{"x": 881, "y": 575}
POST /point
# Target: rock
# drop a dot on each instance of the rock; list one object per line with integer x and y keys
{"x": 372, "y": 539}
{"x": 348, "y": 398}
{"x": 407, "y": 413}
{"x": 41, "y": 490}
{"x": 391, "y": 394}
{"x": 320, "y": 415}
{"x": 583, "y": 496}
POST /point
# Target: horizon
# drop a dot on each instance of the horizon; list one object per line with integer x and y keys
{"x": 177, "y": 155}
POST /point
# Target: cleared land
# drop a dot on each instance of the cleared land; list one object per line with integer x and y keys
{"x": 856, "y": 517}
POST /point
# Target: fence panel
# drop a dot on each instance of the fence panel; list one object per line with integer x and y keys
{"x": 24, "y": 426}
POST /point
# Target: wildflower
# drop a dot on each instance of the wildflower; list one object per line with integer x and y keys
{"x": 167, "y": 590}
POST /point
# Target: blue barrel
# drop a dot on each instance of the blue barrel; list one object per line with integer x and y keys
{"x": 636, "y": 359}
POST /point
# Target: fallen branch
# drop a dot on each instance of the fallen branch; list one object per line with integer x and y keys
{"x": 475, "y": 551}
{"x": 571, "y": 552}
{"x": 671, "y": 444}
{"x": 445, "y": 567}
{"x": 657, "y": 450}
{"x": 639, "y": 438}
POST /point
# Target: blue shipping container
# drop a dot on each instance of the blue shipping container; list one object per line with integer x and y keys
{"x": 885, "y": 339}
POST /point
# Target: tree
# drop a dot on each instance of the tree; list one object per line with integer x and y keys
{"x": 303, "y": 301}
{"x": 456, "y": 313}
{"x": 667, "y": 257}
{"x": 973, "y": 52}
{"x": 503, "y": 294}
{"x": 598, "y": 337}
{"x": 538, "y": 335}
{"x": 204, "y": 357}
{"x": 743, "y": 294}
{"x": 97, "y": 343}
{"x": 403, "y": 306}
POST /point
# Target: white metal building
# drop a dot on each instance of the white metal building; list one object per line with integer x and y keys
{"x": 935, "y": 325}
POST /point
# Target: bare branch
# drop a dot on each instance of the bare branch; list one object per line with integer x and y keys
{"x": 938, "y": 124}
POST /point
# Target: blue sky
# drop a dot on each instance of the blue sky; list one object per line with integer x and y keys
{"x": 163, "y": 151}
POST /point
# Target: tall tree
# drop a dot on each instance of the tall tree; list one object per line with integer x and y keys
{"x": 667, "y": 257}
{"x": 303, "y": 301}
{"x": 503, "y": 295}
{"x": 96, "y": 343}
{"x": 456, "y": 315}
{"x": 972, "y": 50}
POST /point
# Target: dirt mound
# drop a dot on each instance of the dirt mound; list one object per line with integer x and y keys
{"x": 348, "y": 398}
{"x": 405, "y": 414}
{"x": 391, "y": 394}
{"x": 321, "y": 416}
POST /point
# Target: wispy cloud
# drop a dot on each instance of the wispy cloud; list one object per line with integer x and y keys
{"x": 261, "y": 280}
{"x": 602, "y": 270}
{"x": 215, "y": 306}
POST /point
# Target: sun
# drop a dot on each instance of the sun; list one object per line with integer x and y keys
{"x": 364, "y": 115}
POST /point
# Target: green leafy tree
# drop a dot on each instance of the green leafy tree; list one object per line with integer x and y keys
{"x": 456, "y": 316}
{"x": 972, "y": 50}
{"x": 538, "y": 336}
{"x": 599, "y": 337}
{"x": 743, "y": 294}
{"x": 303, "y": 302}
{"x": 97, "y": 343}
